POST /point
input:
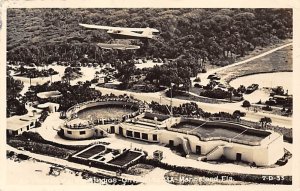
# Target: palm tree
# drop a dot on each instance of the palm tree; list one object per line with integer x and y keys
{"x": 31, "y": 74}
{"x": 51, "y": 72}
{"x": 265, "y": 121}
{"x": 97, "y": 74}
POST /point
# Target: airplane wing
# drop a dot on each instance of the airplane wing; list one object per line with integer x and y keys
{"x": 117, "y": 28}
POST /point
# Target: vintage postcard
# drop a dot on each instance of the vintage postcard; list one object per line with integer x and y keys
{"x": 107, "y": 95}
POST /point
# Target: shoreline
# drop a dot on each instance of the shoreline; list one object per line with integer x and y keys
{"x": 263, "y": 72}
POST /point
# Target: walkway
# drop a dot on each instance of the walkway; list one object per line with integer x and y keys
{"x": 170, "y": 157}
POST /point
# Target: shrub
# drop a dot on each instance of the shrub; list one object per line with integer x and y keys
{"x": 246, "y": 103}
{"x": 267, "y": 108}
{"x": 198, "y": 86}
{"x": 23, "y": 157}
{"x": 216, "y": 93}
{"x": 197, "y": 79}
{"x": 38, "y": 124}
{"x": 239, "y": 113}
{"x": 94, "y": 80}
{"x": 10, "y": 154}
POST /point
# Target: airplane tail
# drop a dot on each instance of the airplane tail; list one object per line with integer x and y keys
{"x": 148, "y": 33}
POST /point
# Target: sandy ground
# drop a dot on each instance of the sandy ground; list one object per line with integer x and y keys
{"x": 272, "y": 80}
{"x": 267, "y": 80}
{"x": 203, "y": 76}
{"x": 88, "y": 73}
{"x": 39, "y": 174}
{"x": 156, "y": 177}
{"x": 148, "y": 64}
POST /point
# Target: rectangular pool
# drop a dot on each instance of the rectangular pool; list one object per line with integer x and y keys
{"x": 207, "y": 131}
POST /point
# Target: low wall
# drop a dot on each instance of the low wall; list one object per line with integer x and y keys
{"x": 223, "y": 124}
{"x": 112, "y": 101}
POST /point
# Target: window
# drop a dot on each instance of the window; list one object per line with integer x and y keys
{"x": 112, "y": 129}
{"x": 154, "y": 137}
{"x": 198, "y": 149}
{"x": 121, "y": 131}
{"x": 145, "y": 136}
{"x": 69, "y": 132}
{"x": 82, "y": 132}
{"x": 137, "y": 134}
{"x": 129, "y": 133}
{"x": 238, "y": 156}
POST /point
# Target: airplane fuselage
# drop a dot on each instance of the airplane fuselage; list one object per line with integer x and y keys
{"x": 127, "y": 35}
{"x": 118, "y": 46}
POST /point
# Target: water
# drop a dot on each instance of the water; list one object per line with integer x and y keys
{"x": 270, "y": 80}
{"x": 208, "y": 131}
{"x": 99, "y": 112}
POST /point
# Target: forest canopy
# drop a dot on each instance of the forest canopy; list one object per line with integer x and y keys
{"x": 43, "y": 36}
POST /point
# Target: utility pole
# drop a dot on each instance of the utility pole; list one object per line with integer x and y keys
{"x": 171, "y": 89}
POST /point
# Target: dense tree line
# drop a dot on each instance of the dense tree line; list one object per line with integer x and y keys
{"x": 190, "y": 109}
{"x": 13, "y": 103}
{"x": 43, "y": 36}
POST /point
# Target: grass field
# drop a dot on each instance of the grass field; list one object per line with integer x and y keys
{"x": 278, "y": 61}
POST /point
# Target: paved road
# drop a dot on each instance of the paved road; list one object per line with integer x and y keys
{"x": 213, "y": 108}
{"x": 226, "y": 107}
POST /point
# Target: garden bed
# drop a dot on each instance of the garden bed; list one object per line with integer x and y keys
{"x": 33, "y": 142}
{"x": 140, "y": 169}
{"x": 253, "y": 178}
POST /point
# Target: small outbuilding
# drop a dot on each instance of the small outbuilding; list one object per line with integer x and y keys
{"x": 16, "y": 125}
{"x": 51, "y": 107}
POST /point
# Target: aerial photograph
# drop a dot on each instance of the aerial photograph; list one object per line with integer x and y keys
{"x": 149, "y": 96}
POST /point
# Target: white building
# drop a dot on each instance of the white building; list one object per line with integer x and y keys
{"x": 16, "y": 125}
{"x": 79, "y": 129}
{"x": 49, "y": 106}
{"x": 265, "y": 148}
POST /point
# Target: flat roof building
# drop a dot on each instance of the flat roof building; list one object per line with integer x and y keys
{"x": 210, "y": 140}
{"x": 16, "y": 125}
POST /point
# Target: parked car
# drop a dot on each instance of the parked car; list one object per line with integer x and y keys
{"x": 213, "y": 77}
{"x": 251, "y": 88}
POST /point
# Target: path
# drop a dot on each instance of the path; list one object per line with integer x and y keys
{"x": 67, "y": 164}
{"x": 203, "y": 76}
{"x": 118, "y": 142}
{"x": 208, "y": 107}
